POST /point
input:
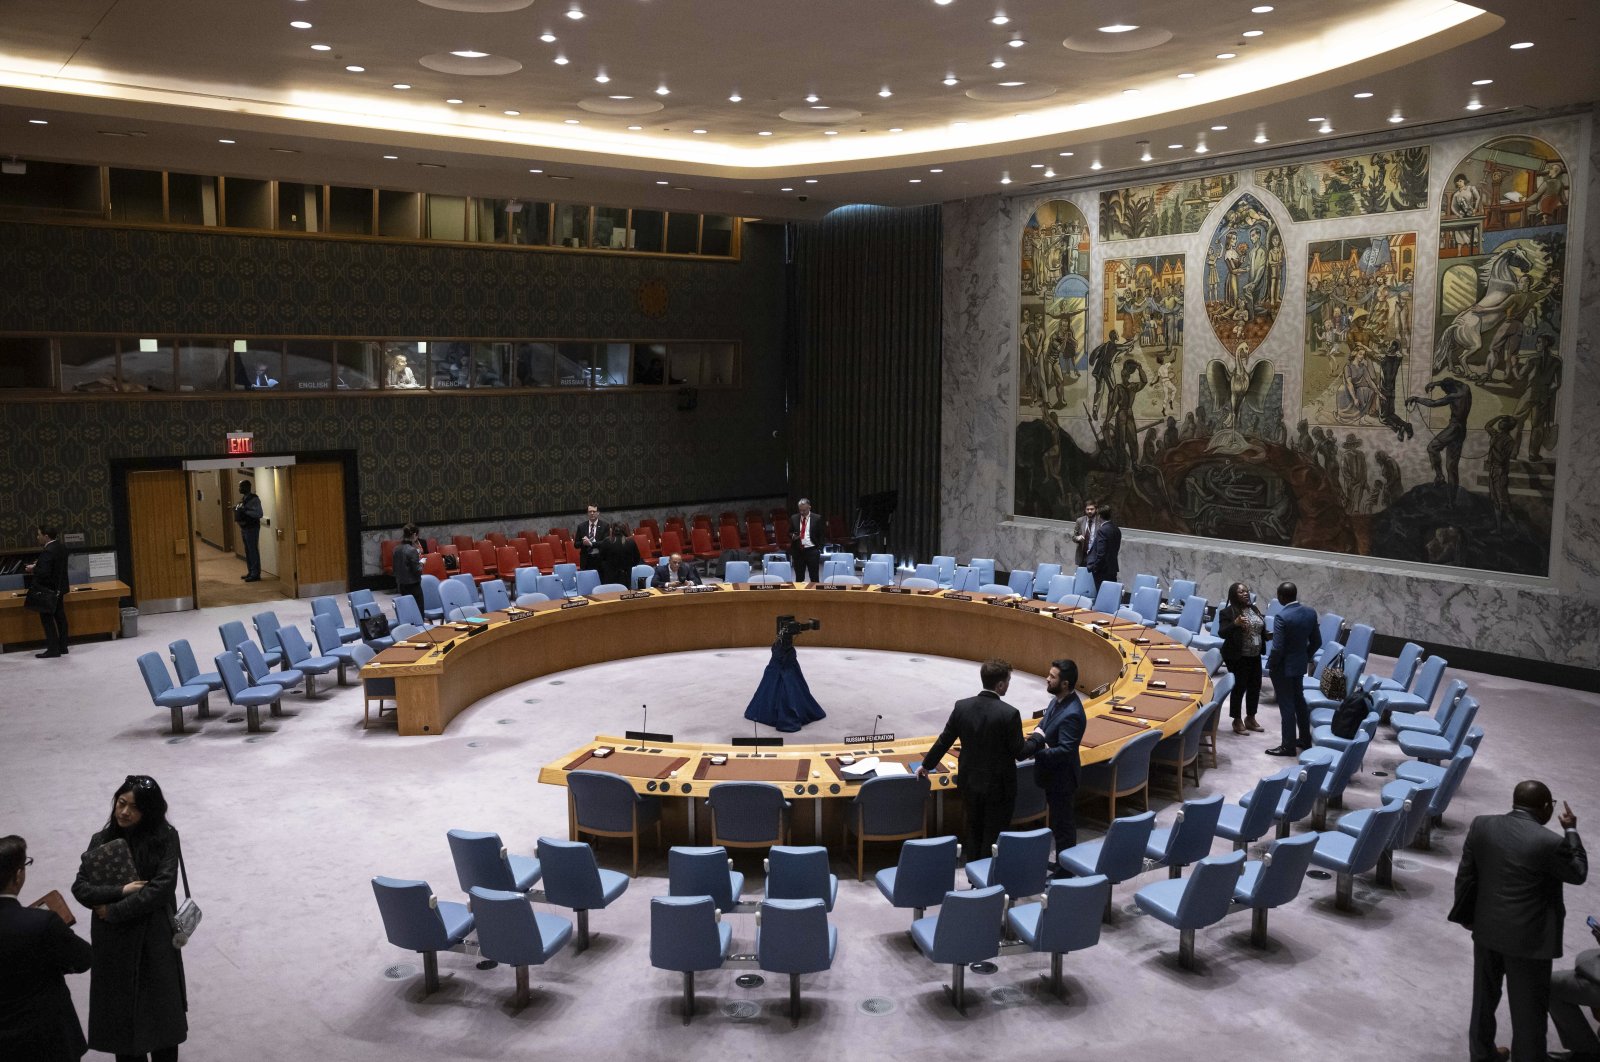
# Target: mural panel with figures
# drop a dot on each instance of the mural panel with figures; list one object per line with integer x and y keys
{"x": 1387, "y": 425}
{"x": 1170, "y": 208}
{"x": 1378, "y": 183}
{"x": 1055, "y": 302}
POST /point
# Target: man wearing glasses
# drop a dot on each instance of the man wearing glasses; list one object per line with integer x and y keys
{"x": 37, "y": 1019}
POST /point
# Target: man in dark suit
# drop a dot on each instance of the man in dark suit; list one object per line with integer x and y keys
{"x": 990, "y": 732}
{"x": 675, "y": 571}
{"x": 588, "y": 535}
{"x": 1294, "y": 642}
{"x": 1105, "y": 543}
{"x": 37, "y": 1019}
{"x": 1508, "y": 893}
{"x": 1082, "y": 532}
{"x": 1054, "y": 748}
{"x": 247, "y": 514}
{"x": 50, "y": 571}
{"x": 1572, "y": 990}
{"x": 618, "y": 555}
{"x": 806, "y": 535}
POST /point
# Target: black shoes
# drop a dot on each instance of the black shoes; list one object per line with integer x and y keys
{"x": 251, "y": 578}
{"x": 48, "y": 654}
{"x": 1283, "y": 750}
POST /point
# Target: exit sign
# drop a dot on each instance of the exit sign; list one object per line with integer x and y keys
{"x": 241, "y": 443}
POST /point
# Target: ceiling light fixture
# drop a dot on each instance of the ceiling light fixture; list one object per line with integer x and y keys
{"x": 356, "y": 69}
{"x": 547, "y": 37}
{"x": 1484, "y": 81}
{"x": 225, "y": 140}
{"x": 1000, "y": 20}
{"x": 765, "y": 132}
{"x": 468, "y": 53}
{"x": 1005, "y": 178}
{"x": 830, "y": 132}
{"x": 735, "y": 98}
{"x": 511, "y": 114}
{"x": 574, "y": 13}
{"x": 884, "y": 92}
{"x": 812, "y": 98}
{"x": 1095, "y": 165}
{"x": 603, "y": 78}
{"x": 935, "y": 171}
{"x": 561, "y": 60}
{"x": 951, "y": 79}
{"x": 401, "y": 85}
{"x": 1261, "y": 138}
{"x": 700, "y": 131}
{"x": 1521, "y": 45}
{"x": 1200, "y": 149}
{"x": 635, "y": 128}
{"x": 896, "y": 129}
{"x": 1185, "y": 76}
{"x": 1316, "y": 119}
{"x": 915, "y": 180}
{"x": 1130, "y": 92}
{"x": 998, "y": 64}
{"x": 1049, "y": 173}
{"x": 1218, "y": 128}
{"x": 574, "y": 121}
{"x": 1144, "y": 155}
{"x": 1227, "y": 55}
{"x": 1362, "y": 96}
{"x": 391, "y": 157}
{"x": 1012, "y": 84}
{"x": 37, "y": 121}
{"x": 1252, "y": 33}
{"x": 299, "y": 24}
{"x": 322, "y": 47}
{"x": 454, "y": 100}
{"x": 1325, "y": 128}
{"x": 1016, "y": 42}
{"x": 1475, "y": 105}
{"x": 785, "y": 189}
{"x": 662, "y": 90}
{"x": 535, "y": 171}
{"x": 1396, "y": 118}
{"x": 663, "y": 182}
{"x": 1036, "y": 166}
{"x": 1261, "y": 9}
{"x": 1066, "y": 154}
{"x": 1174, "y": 147}
{"x": 1118, "y": 27}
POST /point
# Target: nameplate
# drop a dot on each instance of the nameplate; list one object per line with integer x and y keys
{"x": 1100, "y": 690}
{"x": 705, "y": 589}
{"x": 953, "y": 596}
{"x": 477, "y": 630}
{"x": 1003, "y": 602}
{"x": 1127, "y": 708}
{"x": 634, "y": 595}
{"x": 1162, "y": 660}
{"x": 771, "y": 586}
{"x": 1035, "y": 609}
{"x": 577, "y": 602}
{"x": 1141, "y": 641}
{"x": 864, "y": 739}
{"x": 447, "y": 647}
{"x": 895, "y": 590}
{"x": 1065, "y": 617}
{"x": 828, "y": 586}
{"x": 1101, "y": 631}
{"x": 1158, "y": 684}
{"x": 515, "y": 614}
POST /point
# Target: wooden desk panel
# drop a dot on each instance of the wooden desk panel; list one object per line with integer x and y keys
{"x": 92, "y": 608}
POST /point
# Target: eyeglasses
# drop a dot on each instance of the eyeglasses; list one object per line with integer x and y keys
{"x": 28, "y": 862}
{"x": 140, "y": 781}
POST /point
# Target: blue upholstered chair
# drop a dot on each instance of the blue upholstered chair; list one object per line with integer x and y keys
{"x": 877, "y": 573}
{"x": 843, "y": 579}
{"x": 416, "y": 920}
{"x": 432, "y": 604}
{"x": 1327, "y": 653}
{"x": 1020, "y": 864}
{"x": 1448, "y": 779}
{"x": 605, "y": 805}
{"x": 455, "y": 596}
{"x": 886, "y": 809}
{"x": 965, "y": 580}
{"x": 926, "y": 571}
{"x": 1108, "y": 598}
{"x": 567, "y": 572}
{"x": 255, "y": 667}
{"x": 407, "y": 611}
{"x": 495, "y": 596}
{"x": 1030, "y": 806}
{"x": 467, "y": 583}
{"x": 512, "y": 932}
{"x": 1043, "y": 575}
{"x": 1125, "y": 773}
{"x": 998, "y": 590}
{"x": 1354, "y": 665}
{"x": 1067, "y": 919}
{"x": 1208, "y": 637}
{"x": 1343, "y": 765}
{"x": 163, "y": 694}
{"x": 529, "y": 600}
{"x": 748, "y": 815}
{"x": 609, "y": 588}
{"x": 526, "y": 579}
{"x": 1405, "y": 669}
{"x": 1436, "y": 748}
{"x": 687, "y": 935}
{"x": 639, "y": 578}
{"x": 233, "y": 636}
{"x": 243, "y": 694}
{"x": 1348, "y": 855}
{"x": 966, "y": 930}
{"x": 1418, "y": 699}
{"x": 1422, "y": 722}
{"x": 925, "y": 873}
{"x": 916, "y": 583}
{"x": 1329, "y": 624}
{"x": 1273, "y": 880}
{"x": 1195, "y": 902}
{"x": 838, "y": 565}
{"x": 298, "y": 655}
{"x": 1141, "y": 581}
{"x": 1359, "y": 640}
{"x": 800, "y": 873}
{"x": 588, "y": 582}
{"x": 1299, "y": 798}
{"x": 189, "y": 673}
{"x": 328, "y": 606}
{"x": 481, "y": 859}
{"x": 1249, "y": 820}
{"x": 1146, "y": 602}
{"x": 1417, "y": 799}
{"x": 1119, "y": 855}
{"x": 1181, "y": 751}
{"x": 765, "y": 579}
{"x": 793, "y": 937}
{"x": 736, "y": 571}
{"x": 1176, "y": 597}
{"x": 574, "y": 880}
{"x": 946, "y": 566}
{"x": 1059, "y": 588}
{"x": 267, "y": 626}
{"x": 1083, "y": 582}
{"x": 463, "y": 613}
{"x": 985, "y": 567}
{"x": 551, "y": 587}
{"x": 325, "y": 629}
{"x": 779, "y": 566}
{"x": 1188, "y": 620}
{"x": 1188, "y": 840}
{"x": 705, "y": 871}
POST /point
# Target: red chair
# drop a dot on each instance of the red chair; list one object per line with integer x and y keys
{"x": 838, "y": 532}
{"x": 488, "y": 550}
{"x": 433, "y": 564}
{"x": 647, "y": 549}
{"x": 544, "y": 557}
{"x": 433, "y": 545}
{"x": 386, "y": 555}
{"x": 649, "y": 524}
{"x": 755, "y": 514}
{"x": 472, "y": 564}
{"x": 728, "y": 536}
{"x": 779, "y": 514}
{"x": 728, "y": 518}
{"x": 573, "y": 556}
{"x": 671, "y": 543}
{"x": 524, "y": 550}
{"x": 780, "y": 533}
{"x": 463, "y": 543}
{"x": 506, "y": 561}
{"x": 563, "y": 533}
{"x": 703, "y": 549}
{"x": 702, "y": 520}
{"x": 497, "y": 537}
{"x": 758, "y": 537}
{"x": 450, "y": 551}
{"x": 530, "y": 534}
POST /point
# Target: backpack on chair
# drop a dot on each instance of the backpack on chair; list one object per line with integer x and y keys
{"x": 1351, "y": 713}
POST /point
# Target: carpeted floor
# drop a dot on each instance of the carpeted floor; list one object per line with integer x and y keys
{"x": 282, "y": 833}
{"x": 217, "y": 582}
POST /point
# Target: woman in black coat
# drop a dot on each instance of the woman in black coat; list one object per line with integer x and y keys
{"x": 137, "y": 1000}
{"x": 1243, "y": 631}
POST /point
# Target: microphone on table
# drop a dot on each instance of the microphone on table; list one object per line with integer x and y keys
{"x": 644, "y": 720}
{"x": 875, "y": 723}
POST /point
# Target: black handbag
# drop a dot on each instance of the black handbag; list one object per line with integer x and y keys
{"x": 42, "y": 599}
{"x": 109, "y": 864}
{"x": 374, "y": 626}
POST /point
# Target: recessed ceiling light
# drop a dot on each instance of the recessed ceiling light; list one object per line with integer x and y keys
{"x": 1316, "y": 119}
{"x": 1261, "y": 138}
{"x": 1049, "y": 173}
{"x": 468, "y": 53}
{"x": 574, "y": 14}
{"x": 391, "y": 157}
{"x": 1118, "y": 27}
{"x": 1396, "y": 118}
{"x": 452, "y": 99}
{"x": 785, "y": 189}
{"x": 1261, "y": 9}
{"x": 1362, "y": 96}
{"x": 37, "y": 121}
{"x": 830, "y": 132}
{"x": 1016, "y": 42}
{"x": 300, "y": 24}
{"x": 1066, "y": 154}
{"x": 884, "y": 92}
{"x": 574, "y": 121}
{"x": 401, "y": 85}
{"x": 431, "y": 165}
{"x": 1145, "y": 155}
{"x": 1475, "y": 106}
{"x": 1325, "y": 128}
{"x": 896, "y": 129}
{"x": 943, "y": 3}
{"x": 1227, "y": 55}
{"x": 701, "y": 131}
{"x": 619, "y": 97}
{"x": 820, "y": 107}
{"x": 1000, "y": 20}
{"x": 1484, "y": 81}
{"x": 998, "y": 64}
{"x": 1095, "y": 165}
{"x": 603, "y": 79}
{"x": 535, "y": 171}
{"x": 225, "y": 140}
{"x": 1174, "y": 147}
{"x": 952, "y": 81}
{"x": 935, "y": 171}
{"x": 279, "y": 150}
{"x": 635, "y": 128}
{"x": 915, "y": 180}
{"x": 322, "y": 47}
{"x": 1185, "y": 76}
{"x": 511, "y": 114}
{"x": 547, "y": 37}
{"x": 1012, "y": 84}
{"x": 1036, "y": 166}
{"x": 811, "y": 180}
{"x": 356, "y": 69}
{"x": 735, "y": 98}
{"x": 561, "y": 60}
{"x": 1252, "y": 33}
{"x": 1199, "y": 149}
{"x": 764, "y": 132}
{"x": 1520, "y": 45}
{"x": 662, "y": 90}
{"x": 1006, "y": 179}
{"x": 1130, "y": 92}
{"x": 812, "y": 98}
{"x": 663, "y": 182}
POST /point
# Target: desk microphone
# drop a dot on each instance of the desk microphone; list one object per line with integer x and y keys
{"x": 644, "y": 719}
{"x": 875, "y": 723}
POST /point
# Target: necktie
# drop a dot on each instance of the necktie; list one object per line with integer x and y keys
{"x": 1091, "y": 533}
{"x": 591, "y": 531}
{"x": 803, "y": 521}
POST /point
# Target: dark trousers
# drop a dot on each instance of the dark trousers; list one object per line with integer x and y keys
{"x": 1527, "y": 982}
{"x": 166, "y": 1054}
{"x": 1294, "y": 715}
{"x": 1061, "y": 795}
{"x": 252, "y": 550}
{"x": 807, "y": 563}
{"x": 1246, "y": 672}
{"x": 55, "y": 627}
{"x": 988, "y": 812}
{"x": 415, "y": 590}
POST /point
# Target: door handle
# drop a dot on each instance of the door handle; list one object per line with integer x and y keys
{"x": 301, "y": 537}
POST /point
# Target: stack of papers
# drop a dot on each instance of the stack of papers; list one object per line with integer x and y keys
{"x": 872, "y": 767}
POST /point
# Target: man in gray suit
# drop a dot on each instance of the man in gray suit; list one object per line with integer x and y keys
{"x": 1508, "y": 893}
{"x": 1083, "y": 531}
{"x": 1569, "y": 992}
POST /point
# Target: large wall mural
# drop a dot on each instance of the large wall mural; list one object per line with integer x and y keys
{"x": 1379, "y": 183}
{"x": 1055, "y": 303}
{"x": 1386, "y": 421}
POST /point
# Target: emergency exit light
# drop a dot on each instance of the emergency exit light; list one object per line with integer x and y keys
{"x": 241, "y": 443}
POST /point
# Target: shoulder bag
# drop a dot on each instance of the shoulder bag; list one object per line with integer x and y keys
{"x": 42, "y": 599}
{"x": 187, "y": 918}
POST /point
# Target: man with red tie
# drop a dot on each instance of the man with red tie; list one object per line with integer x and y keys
{"x": 806, "y": 530}
{"x": 588, "y": 535}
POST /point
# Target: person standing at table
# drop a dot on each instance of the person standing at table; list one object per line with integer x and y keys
{"x": 1054, "y": 748}
{"x": 1105, "y": 544}
{"x": 618, "y": 555}
{"x": 1243, "y": 638}
{"x": 1508, "y": 893}
{"x": 588, "y": 535}
{"x": 247, "y": 514}
{"x": 1294, "y": 642}
{"x": 138, "y": 1001}
{"x": 1084, "y": 530}
{"x": 407, "y": 564}
{"x": 990, "y": 732}
{"x": 37, "y": 1019}
{"x": 805, "y": 542}
{"x": 50, "y": 573}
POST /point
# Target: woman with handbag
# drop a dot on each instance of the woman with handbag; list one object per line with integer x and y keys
{"x": 1243, "y": 631}
{"x": 137, "y": 999}
{"x": 48, "y": 593}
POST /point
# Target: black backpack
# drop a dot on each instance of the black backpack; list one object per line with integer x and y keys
{"x": 1351, "y": 713}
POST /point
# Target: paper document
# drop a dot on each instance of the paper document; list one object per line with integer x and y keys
{"x": 890, "y": 768}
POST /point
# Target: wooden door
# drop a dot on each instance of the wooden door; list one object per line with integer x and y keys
{"x": 288, "y": 562}
{"x": 317, "y": 515}
{"x": 158, "y": 538}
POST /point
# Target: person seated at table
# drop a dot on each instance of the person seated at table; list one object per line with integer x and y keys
{"x": 675, "y": 571}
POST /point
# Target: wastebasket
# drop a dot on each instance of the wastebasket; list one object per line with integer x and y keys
{"x": 130, "y": 623}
